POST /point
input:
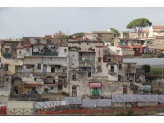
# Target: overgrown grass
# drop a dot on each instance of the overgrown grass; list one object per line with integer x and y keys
{"x": 130, "y": 113}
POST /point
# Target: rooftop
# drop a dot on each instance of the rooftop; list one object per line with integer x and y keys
{"x": 157, "y": 27}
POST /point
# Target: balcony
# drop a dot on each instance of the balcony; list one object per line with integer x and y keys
{"x": 95, "y": 92}
{"x": 45, "y": 54}
{"x": 111, "y": 72}
{"x": 7, "y": 55}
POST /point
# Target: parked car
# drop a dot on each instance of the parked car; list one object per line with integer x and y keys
{"x": 24, "y": 93}
{"x": 31, "y": 92}
{"x": 47, "y": 93}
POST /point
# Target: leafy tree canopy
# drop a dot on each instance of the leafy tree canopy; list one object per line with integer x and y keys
{"x": 146, "y": 67}
{"x": 59, "y": 34}
{"x": 140, "y": 23}
{"x": 78, "y": 35}
{"x": 106, "y": 39}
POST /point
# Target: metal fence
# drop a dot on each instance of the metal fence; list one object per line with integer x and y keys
{"x": 49, "y": 104}
{"x": 73, "y": 100}
{"x": 135, "y": 98}
{"x": 88, "y": 103}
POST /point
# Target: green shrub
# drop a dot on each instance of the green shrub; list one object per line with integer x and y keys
{"x": 64, "y": 93}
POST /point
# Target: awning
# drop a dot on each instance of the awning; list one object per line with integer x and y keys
{"x": 5, "y": 63}
{"x": 28, "y": 64}
{"x": 32, "y": 85}
{"x": 16, "y": 65}
{"x": 92, "y": 85}
{"x": 54, "y": 64}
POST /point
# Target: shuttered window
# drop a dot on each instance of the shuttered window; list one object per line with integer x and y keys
{"x": 39, "y": 66}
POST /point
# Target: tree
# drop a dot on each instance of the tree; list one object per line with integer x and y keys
{"x": 146, "y": 67}
{"x": 116, "y": 34}
{"x": 78, "y": 35}
{"x": 59, "y": 34}
{"x": 106, "y": 39}
{"x": 139, "y": 24}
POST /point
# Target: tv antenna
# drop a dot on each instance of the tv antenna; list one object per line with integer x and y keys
{"x": 68, "y": 33}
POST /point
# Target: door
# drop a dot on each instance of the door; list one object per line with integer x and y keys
{"x": 39, "y": 89}
{"x": 60, "y": 88}
{"x": 52, "y": 69}
{"x": 16, "y": 89}
{"x": 124, "y": 90}
{"x": 74, "y": 91}
{"x": 45, "y": 68}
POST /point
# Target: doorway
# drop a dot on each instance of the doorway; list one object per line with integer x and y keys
{"x": 52, "y": 69}
{"x": 44, "y": 68}
{"x": 16, "y": 89}
{"x": 33, "y": 89}
{"x": 74, "y": 91}
{"x": 124, "y": 90}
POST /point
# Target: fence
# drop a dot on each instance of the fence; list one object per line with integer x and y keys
{"x": 49, "y": 104}
{"x": 136, "y": 98}
{"x": 51, "y": 111}
{"x": 72, "y": 100}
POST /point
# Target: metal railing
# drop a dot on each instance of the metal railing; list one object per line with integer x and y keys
{"x": 45, "y": 54}
{"x": 7, "y": 55}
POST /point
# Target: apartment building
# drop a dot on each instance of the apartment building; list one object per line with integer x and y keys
{"x": 38, "y": 64}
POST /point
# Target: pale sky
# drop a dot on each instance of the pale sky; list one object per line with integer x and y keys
{"x": 37, "y": 21}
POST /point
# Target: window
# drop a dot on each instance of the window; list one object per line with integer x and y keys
{"x": 59, "y": 87}
{"x": 27, "y": 49}
{"x": 6, "y": 67}
{"x": 128, "y": 66}
{"x": 109, "y": 60}
{"x": 65, "y": 50}
{"x": 73, "y": 64}
{"x": 19, "y": 52}
{"x": 53, "y": 81}
{"x": 73, "y": 55}
{"x": 73, "y": 77}
{"x": 39, "y": 66}
{"x": 112, "y": 68}
{"x": 28, "y": 67}
{"x": 16, "y": 69}
{"x": 59, "y": 67}
{"x": 6, "y": 50}
{"x": 6, "y": 79}
{"x": 63, "y": 70}
{"x": 52, "y": 88}
{"x": 95, "y": 89}
{"x": 120, "y": 66}
{"x": 65, "y": 86}
{"x": 99, "y": 59}
{"x": 34, "y": 79}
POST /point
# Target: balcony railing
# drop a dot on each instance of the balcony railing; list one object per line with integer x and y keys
{"x": 45, "y": 54}
{"x": 95, "y": 92}
{"x": 111, "y": 72}
{"x": 7, "y": 55}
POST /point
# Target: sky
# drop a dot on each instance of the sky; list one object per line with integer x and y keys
{"x": 30, "y": 21}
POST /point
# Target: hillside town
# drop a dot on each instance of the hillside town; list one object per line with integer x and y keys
{"x": 91, "y": 66}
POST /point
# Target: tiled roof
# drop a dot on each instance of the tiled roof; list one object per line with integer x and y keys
{"x": 142, "y": 31}
{"x": 158, "y": 27}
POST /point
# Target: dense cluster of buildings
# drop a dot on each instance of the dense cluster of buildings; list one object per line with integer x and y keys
{"x": 85, "y": 66}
